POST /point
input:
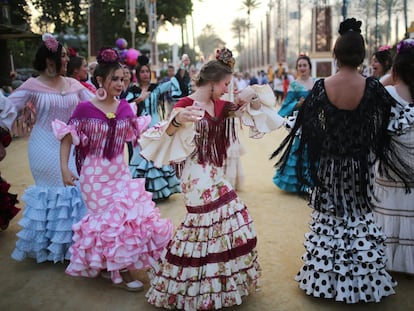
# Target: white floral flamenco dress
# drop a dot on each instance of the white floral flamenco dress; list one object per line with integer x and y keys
{"x": 123, "y": 228}
{"x": 211, "y": 261}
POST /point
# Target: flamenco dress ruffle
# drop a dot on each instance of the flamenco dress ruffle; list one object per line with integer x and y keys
{"x": 394, "y": 207}
{"x": 286, "y": 178}
{"x": 344, "y": 257}
{"x": 47, "y": 221}
{"x": 161, "y": 182}
{"x": 123, "y": 229}
{"x": 8, "y": 203}
{"x": 211, "y": 261}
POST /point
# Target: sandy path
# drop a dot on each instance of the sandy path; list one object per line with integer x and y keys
{"x": 280, "y": 219}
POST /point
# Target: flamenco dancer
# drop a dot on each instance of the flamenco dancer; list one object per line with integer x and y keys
{"x": 161, "y": 182}
{"x": 123, "y": 230}
{"x": 344, "y": 131}
{"x": 211, "y": 261}
{"x": 50, "y": 208}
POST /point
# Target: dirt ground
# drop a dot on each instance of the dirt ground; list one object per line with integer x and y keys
{"x": 281, "y": 221}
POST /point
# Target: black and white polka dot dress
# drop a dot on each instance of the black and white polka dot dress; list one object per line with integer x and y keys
{"x": 344, "y": 258}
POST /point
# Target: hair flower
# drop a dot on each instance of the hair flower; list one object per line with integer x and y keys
{"x": 108, "y": 56}
{"x": 405, "y": 45}
{"x": 51, "y": 43}
{"x": 110, "y": 115}
{"x": 72, "y": 52}
{"x": 384, "y": 48}
{"x": 225, "y": 56}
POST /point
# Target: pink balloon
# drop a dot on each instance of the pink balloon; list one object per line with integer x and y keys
{"x": 131, "y": 57}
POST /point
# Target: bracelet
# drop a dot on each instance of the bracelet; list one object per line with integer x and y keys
{"x": 175, "y": 123}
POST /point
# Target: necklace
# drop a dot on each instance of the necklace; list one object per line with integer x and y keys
{"x": 65, "y": 84}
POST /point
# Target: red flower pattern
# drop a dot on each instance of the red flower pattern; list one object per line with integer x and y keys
{"x": 245, "y": 215}
{"x": 223, "y": 190}
{"x": 206, "y": 195}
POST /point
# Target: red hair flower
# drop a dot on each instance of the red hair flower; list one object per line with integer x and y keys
{"x": 72, "y": 52}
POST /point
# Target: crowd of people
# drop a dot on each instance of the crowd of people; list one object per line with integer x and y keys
{"x": 348, "y": 151}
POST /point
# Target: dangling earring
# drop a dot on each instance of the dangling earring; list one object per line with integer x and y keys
{"x": 101, "y": 93}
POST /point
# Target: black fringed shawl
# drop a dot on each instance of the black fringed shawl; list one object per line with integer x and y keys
{"x": 360, "y": 134}
{"x": 214, "y": 134}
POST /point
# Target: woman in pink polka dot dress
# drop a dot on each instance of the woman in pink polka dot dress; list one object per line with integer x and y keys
{"x": 123, "y": 230}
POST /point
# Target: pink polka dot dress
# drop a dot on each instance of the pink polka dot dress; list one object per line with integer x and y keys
{"x": 123, "y": 228}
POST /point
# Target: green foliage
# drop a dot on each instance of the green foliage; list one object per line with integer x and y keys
{"x": 209, "y": 41}
{"x": 61, "y": 14}
{"x": 112, "y": 16}
{"x": 19, "y": 12}
{"x": 172, "y": 11}
{"x": 23, "y": 52}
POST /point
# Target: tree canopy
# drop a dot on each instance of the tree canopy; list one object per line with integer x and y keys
{"x": 112, "y": 16}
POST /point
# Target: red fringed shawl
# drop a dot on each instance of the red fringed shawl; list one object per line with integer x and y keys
{"x": 214, "y": 134}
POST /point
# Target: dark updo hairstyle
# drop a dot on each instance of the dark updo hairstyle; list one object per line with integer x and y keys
{"x": 384, "y": 57}
{"x": 349, "y": 49}
{"x": 108, "y": 61}
{"x": 75, "y": 62}
{"x": 305, "y": 57}
{"x": 44, "y": 51}
{"x": 142, "y": 61}
{"x": 217, "y": 69}
{"x": 404, "y": 63}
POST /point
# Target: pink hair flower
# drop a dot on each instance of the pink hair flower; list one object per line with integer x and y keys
{"x": 108, "y": 56}
{"x": 384, "y": 48}
{"x": 51, "y": 43}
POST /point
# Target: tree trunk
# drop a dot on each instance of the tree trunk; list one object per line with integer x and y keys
{"x": 4, "y": 63}
{"x": 96, "y": 38}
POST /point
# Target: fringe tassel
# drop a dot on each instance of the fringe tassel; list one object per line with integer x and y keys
{"x": 213, "y": 139}
{"x": 107, "y": 139}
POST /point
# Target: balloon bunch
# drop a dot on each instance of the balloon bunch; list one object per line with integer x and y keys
{"x": 128, "y": 56}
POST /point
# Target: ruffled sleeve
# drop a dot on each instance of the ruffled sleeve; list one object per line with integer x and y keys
{"x": 402, "y": 114}
{"x": 61, "y": 129}
{"x": 8, "y": 113}
{"x": 162, "y": 149}
{"x": 138, "y": 126}
{"x": 265, "y": 119}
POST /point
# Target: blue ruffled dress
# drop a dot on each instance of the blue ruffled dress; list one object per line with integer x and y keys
{"x": 161, "y": 182}
{"x": 286, "y": 178}
{"x": 50, "y": 208}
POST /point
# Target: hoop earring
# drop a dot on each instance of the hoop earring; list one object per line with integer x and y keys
{"x": 101, "y": 93}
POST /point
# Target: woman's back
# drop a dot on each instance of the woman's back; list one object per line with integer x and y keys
{"x": 345, "y": 89}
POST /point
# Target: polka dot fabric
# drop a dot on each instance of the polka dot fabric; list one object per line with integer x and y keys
{"x": 123, "y": 229}
{"x": 345, "y": 256}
